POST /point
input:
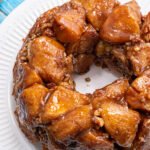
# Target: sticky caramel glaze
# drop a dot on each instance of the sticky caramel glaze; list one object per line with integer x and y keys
{"x": 61, "y": 101}
{"x": 86, "y": 43}
{"x": 49, "y": 110}
{"x": 98, "y": 10}
{"x": 32, "y": 99}
{"x": 115, "y": 92}
{"x": 123, "y": 24}
{"x": 96, "y": 139}
{"x": 139, "y": 56}
{"x": 29, "y": 104}
{"x": 69, "y": 23}
{"x": 45, "y": 53}
{"x": 138, "y": 94}
{"x": 79, "y": 60}
{"x": 26, "y": 78}
{"x": 143, "y": 137}
{"x": 119, "y": 121}
{"x": 145, "y": 29}
{"x": 72, "y": 123}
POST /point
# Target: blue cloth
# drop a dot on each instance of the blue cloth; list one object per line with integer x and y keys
{"x": 2, "y": 16}
{"x": 6, "y": 6}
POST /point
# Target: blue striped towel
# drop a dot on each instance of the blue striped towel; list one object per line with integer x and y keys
{"x": 6, "y": 6}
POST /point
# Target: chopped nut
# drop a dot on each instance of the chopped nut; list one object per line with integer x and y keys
{"x": 99, "y": 121}
{"x": 97, "y": 112}
{"x": 146, "y": 28}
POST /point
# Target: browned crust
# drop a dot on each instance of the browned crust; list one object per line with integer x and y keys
{"x": 43, "y": 23}
{"x": 43, "y": 26}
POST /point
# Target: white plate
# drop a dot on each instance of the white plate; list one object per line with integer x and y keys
{"x": 12, "y": 31}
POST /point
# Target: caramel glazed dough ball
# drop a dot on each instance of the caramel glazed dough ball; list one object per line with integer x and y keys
{"x": 69, "y": 39}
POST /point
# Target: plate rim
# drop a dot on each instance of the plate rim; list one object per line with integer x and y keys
{"x": 5, "y": 79}
{"x": 11, "y": 139}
